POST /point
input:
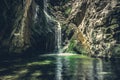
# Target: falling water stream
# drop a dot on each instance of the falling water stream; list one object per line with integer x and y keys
{"x": 57, "y": 29}
{"x": 58, "y": 37}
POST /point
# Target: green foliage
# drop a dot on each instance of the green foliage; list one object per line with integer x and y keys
{"x": 67, "y": 11}
{"x": 76, "y": 48}
{"x": 113, "y": 26}
{"x": 80, "y": 49}
{"x": 71, "y": 46}
{"x": 114, "y": 20}
{"x": 68, "y": 31}
{"x": 78, "y": 56}
{"x": 64, "y": 27}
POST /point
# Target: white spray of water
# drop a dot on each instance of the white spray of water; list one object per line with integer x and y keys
{"x": 58, "y": 28}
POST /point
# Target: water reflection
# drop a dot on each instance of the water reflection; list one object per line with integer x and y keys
{"x": 59, "y": 68}
{"x": 82, "y": 69}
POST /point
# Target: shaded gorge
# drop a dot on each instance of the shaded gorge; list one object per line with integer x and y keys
{"x": 57, "y": 40}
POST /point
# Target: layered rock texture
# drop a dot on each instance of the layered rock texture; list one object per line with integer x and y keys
{"x": 90, "y": 27}
{"x": 25, "y": 27}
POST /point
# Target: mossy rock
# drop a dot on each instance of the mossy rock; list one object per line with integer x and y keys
{"x": 113, "y": 26}
{"x": 68, "y": 31}
{"x": 113, "y": 21}
{"x": 67, "y": 11}
{"x": 79, "y": 48}
{"x": 75, "y": 47}
{"x": 71, "y": 46}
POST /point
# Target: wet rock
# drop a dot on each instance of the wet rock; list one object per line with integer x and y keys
{"x": 93, "y": 25}
{"x": 97, "y": 25}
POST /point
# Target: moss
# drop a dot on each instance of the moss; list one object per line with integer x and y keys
{"x": 75, "y": 48}
{"x": 84, "y": 59}
{"x": 64, "y": 27}
{"x": 113, "y": 26}
{"x": 114, "y": 20}
{"x": 71, "y": 46}
{"x": 79, "y": 56}
{"x": 80, "y": 49}
{"x": 69, "y": 31}
{"x": 67, "y": 11}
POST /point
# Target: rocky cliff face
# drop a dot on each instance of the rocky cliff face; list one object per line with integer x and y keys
{"x": 15, "y": 25}
{"x": 101, "y": 26}
{"x": 90, "y": 27}
{"x": 24, "y": 26}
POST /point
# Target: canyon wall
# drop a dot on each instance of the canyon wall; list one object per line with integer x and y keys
{"x": 91, "y": 27}
{"x": 25, "y": 27}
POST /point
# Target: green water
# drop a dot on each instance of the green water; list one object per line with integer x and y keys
{"x": 62, "y": 67}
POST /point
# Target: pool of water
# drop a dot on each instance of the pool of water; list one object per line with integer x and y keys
{"x": 59, "y": 67}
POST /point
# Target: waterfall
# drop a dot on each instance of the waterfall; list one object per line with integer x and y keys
{"x": 58, "y": 36}
{"x": 57, "y": 28}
